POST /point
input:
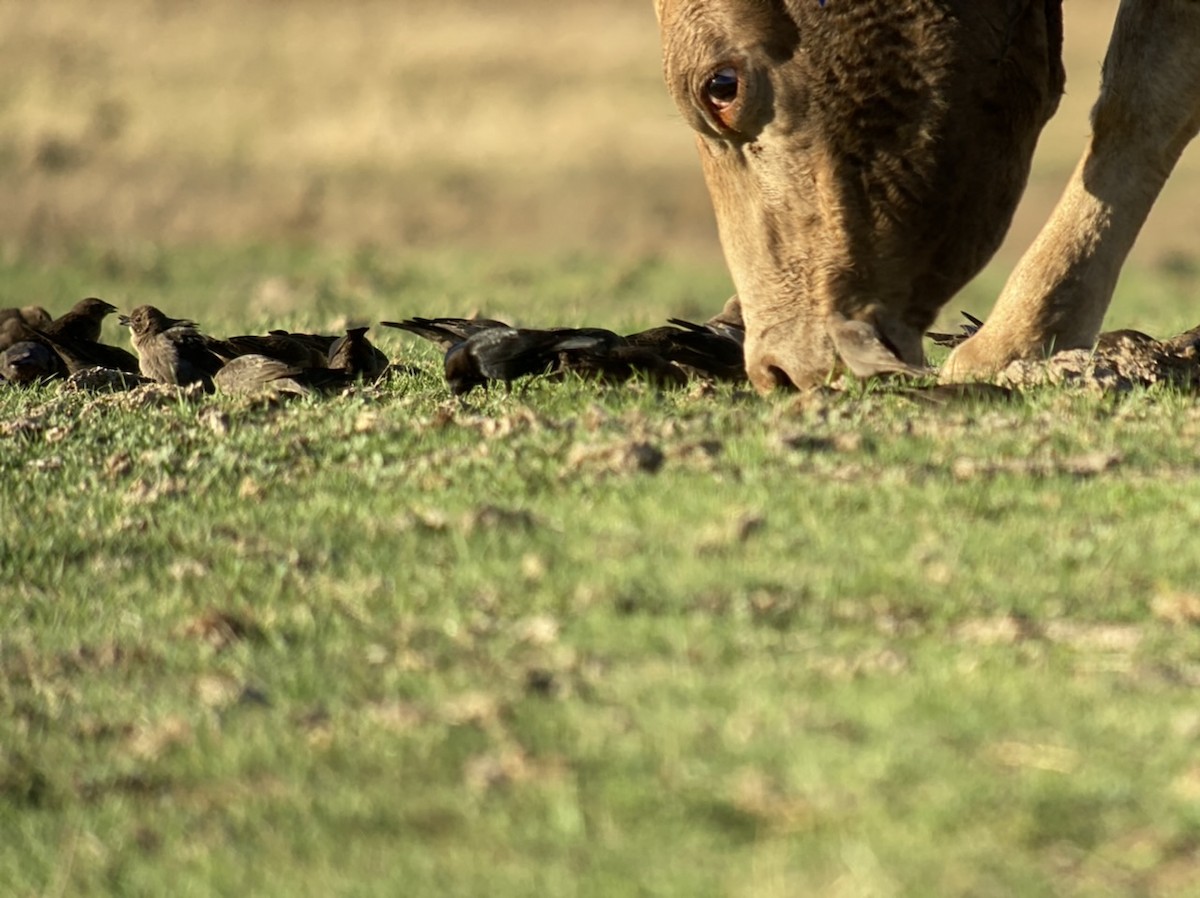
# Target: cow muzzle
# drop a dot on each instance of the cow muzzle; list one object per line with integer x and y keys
{"x": 797, "y": 353}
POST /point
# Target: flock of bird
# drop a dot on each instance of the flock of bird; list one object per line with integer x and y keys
{"x": 36, "y": 348}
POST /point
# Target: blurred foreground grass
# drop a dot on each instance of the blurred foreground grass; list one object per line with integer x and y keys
{"x": 578, "y": 641}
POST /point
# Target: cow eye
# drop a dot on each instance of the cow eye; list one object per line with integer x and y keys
{"x": 721, "y": 88}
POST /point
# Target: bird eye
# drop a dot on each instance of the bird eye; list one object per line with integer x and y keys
{"x": 721, "y": 89}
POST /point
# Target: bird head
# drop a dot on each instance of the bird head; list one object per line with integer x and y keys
{"x": 93, "y": 307}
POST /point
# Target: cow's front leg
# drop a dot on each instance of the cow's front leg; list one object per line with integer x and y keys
{"x": 1148, "y": 111}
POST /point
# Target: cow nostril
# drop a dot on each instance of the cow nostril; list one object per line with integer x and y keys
{"x": 780, "y": 378}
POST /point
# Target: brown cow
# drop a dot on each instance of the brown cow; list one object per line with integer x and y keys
{"x": 865, "y": 157}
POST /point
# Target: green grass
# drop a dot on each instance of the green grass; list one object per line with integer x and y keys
{"x": 578, "y": 641}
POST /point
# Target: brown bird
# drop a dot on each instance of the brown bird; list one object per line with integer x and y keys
{"x": 34, "y": 316}
{"x": 290, "y": 349}
{"x": 83, "y": 321}
{"x": 867, "y": 352}
{"x": 79, "y": 354}
{"x": 253, "y": 374}
{"x": 1185, "y": 344}
{"x": 1127, "y": 340}
{"x": 316, "y": 342}
{"x": 15, "y": 330}
{"x": 171, "y": 350}
{"x": 354, "y": 354}
{"x": 29, "y": 362}
{"x": 17, "y": 325}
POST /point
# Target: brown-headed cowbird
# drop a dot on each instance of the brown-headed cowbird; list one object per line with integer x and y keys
{"x": 29, "y": 362}
{"x": 34, "y": 316}
{"x": 19, "y": 312}
{"x": 729, "y": 320}
{"x": 707, "y": 349}
{"x": 617, "y": 364}
{"x": 964, "y": 330}
{"x": 171, "y": 350}
{"x": 866, "y": 351}
{"x": 354, "y": 354}
{"x": 1126, "y": 340}
{"x": 14, "y": 330}
{"x": 79, "y": 354}
{"x": 316, "y": 342}
{"x": 17, "y": 325}
{"x": 1186, "y": 344}
{"x": 290, "y": 349}
{"x": 722, "y": 342}
{"x": 83, "y": 321}
{"x": 509, "y": 353}
{"x": 445, "y": 332}
{"x": 253, "y": 373}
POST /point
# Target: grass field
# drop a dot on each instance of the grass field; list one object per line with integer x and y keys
{"x": 572, "y": 641}
{"x": 588, "y": 642}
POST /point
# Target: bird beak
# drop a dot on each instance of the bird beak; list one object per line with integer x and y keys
{"x": 124, "y": 321}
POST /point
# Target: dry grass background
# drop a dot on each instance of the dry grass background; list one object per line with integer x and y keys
{"x": 524, "y": 125}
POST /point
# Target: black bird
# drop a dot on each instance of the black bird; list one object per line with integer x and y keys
{"x": 732, "y": 333}
{"x": 964, "y": 330}
{"x": 354, "y": 354}
{"x": 617, "y": 364}
{"x": 729, "y": 320}
{"x": 253, "y": 373}
{"x": 171, "y": 350}
{"x": 29, "y": 362}
{"x": 83, "y": 321}
{"x": 446, "y": 332}
{"x": 711, "y": 350}
{"x": 508, "y": 353}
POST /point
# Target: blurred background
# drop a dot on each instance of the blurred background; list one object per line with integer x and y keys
{"x": 528, "y": 126}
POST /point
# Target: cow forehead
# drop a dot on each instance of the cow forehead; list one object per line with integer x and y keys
{"x": 741, "y": 20}
{"x": 699, "y": 35}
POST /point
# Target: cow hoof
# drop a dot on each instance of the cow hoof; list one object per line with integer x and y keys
{"x": 973, "y": 360}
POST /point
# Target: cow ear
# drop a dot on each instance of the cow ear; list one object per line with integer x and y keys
{"x": 865, "y": 350}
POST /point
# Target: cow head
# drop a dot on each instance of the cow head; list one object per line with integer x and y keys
{"x": 864, "y": 159}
